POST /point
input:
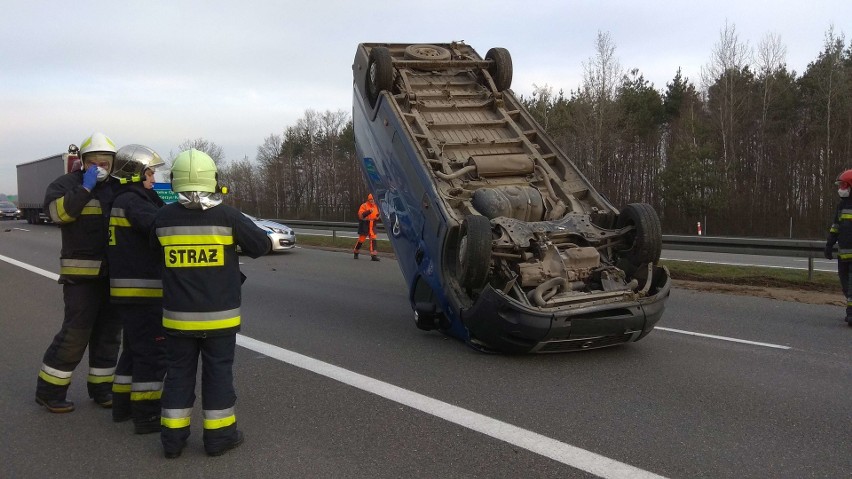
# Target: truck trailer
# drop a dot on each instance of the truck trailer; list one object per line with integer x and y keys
{"x": 33, "y": 180}
{"x": 502, "y": 240}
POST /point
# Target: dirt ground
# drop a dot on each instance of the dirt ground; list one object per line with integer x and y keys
{"x": 783, "y": 294}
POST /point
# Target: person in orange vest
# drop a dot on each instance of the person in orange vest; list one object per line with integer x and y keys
{"x": 368, "y": 213}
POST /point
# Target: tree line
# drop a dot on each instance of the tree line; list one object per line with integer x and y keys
{"x": 749, "y": 149}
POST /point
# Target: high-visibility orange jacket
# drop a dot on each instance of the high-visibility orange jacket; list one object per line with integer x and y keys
{"x": 368, "y": 211}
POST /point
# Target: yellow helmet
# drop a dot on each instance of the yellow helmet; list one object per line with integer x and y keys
{"x": 194, "y": 170}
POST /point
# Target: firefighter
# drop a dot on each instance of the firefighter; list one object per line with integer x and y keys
{"x": 79, "y": 202}
{"x": 840, "y": 233}
{"x": 201, "y": 302}
{"x": 136, "y": 290}
{"x": 368, "y": 213}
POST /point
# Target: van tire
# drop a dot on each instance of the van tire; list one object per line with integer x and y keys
{"x": 474, "y": 251}
{"x": 426, "y": 52}
{"x": 379, "y": 74}
{"x": 500, "y": 68}
{"x": 646, "y": 240}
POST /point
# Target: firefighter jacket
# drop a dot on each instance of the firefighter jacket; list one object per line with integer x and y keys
{"x": 201, "y": 271}
{"x": 134, "y": 263}
{"x": 841, "y": 230}
{"x": 83, "y": 218}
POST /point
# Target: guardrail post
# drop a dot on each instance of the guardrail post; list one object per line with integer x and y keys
{"x": 333, "y": 236}
{"x": 810, "y": 268}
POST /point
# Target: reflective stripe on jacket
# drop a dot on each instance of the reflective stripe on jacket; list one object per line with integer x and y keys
{"x": 83, "y": 217}
{"x": 201, "y": 273}
{"x": 134, "y": 263}
{"x": 841, "y": 230}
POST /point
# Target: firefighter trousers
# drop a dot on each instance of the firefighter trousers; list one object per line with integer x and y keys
{"x": 844, "y": 271}
{"x": 141, "y": 366}
{"x": 217, "y": 390}
{"x": 89, "y": 322}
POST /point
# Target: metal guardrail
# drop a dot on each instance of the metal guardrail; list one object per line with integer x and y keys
{"x": 712, "y": 244}
{"x": 758, "y": 246}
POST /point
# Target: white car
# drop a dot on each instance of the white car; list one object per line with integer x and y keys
{"x": 281, "y": 236}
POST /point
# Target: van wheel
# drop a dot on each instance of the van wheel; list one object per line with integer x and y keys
{"x": 500, "y": 68}
{"x": 379, "y": 73}
{"x": 426, "y": 52}
{"x": 474, "y": 251}
{"x": 646, "y": 240}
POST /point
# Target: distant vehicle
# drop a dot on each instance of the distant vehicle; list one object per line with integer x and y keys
{"x": 8, "y": 211}
{"x": 501, "y": 239}
{"x": 281, "y": 236}
{"x": 34, "y": 178}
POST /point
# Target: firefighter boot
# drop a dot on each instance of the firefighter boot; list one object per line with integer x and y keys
{"x": 233, "y": 445}
{"x": 56, "y": 405}
{"x": 374, "y": 258}
{"x": 173, "y": 454}
{"x": 147, "y": 425}
{"x": 102, "y": 399}
{"x": 357, "y": 249}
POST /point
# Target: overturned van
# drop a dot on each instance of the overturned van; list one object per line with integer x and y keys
{"x": 503, "y": 242}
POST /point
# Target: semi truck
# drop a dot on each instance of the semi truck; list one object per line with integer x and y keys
{"x": 502, "y": 241}
{"x": 34, "y": 178}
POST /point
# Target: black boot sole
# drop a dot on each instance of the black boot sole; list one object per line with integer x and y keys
{"x": 234, "y": 445}
{"x": 54, "y": 409}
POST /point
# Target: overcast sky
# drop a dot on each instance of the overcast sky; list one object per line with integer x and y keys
{"x": 161, "y": 72}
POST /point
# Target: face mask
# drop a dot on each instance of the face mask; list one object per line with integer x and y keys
{"x": 102, "y": 174}
{"x": 843, "y": 193}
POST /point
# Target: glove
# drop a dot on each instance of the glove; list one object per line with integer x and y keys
{"x": 366, "y": 214}
{"x": 90, "y": 178}
{"x": 829, "y": 250}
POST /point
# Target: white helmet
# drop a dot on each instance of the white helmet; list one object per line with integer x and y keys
{"x": 97, "y": 141}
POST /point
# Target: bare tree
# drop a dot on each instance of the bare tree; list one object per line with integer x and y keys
{"x": 215, "y": 151}
{"x": 770, "y": 58}
{"x": 834, "y": 63}
{"x": 241, "y": 178}
{"x": 270, "y": 158}
{"x": 601, "y": 74}
{"x": 727, "y": 60}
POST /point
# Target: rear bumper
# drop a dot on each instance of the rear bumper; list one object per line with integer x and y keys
{"x": 504, "y": 325}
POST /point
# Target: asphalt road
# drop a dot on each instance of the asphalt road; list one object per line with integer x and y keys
{"x": 334, "y": 380}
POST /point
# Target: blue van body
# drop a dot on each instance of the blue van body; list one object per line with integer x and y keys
{"x": 501, "y": 240}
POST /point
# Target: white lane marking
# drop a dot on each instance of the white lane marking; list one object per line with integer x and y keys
{"x": 558, "y": 451}
{"x": 723, "y": 338}
{"x": 746, "y": 264}
{"x": 28, "y": 267}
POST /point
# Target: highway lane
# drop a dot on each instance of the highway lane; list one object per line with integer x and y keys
{"x": 672, "y": 404}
